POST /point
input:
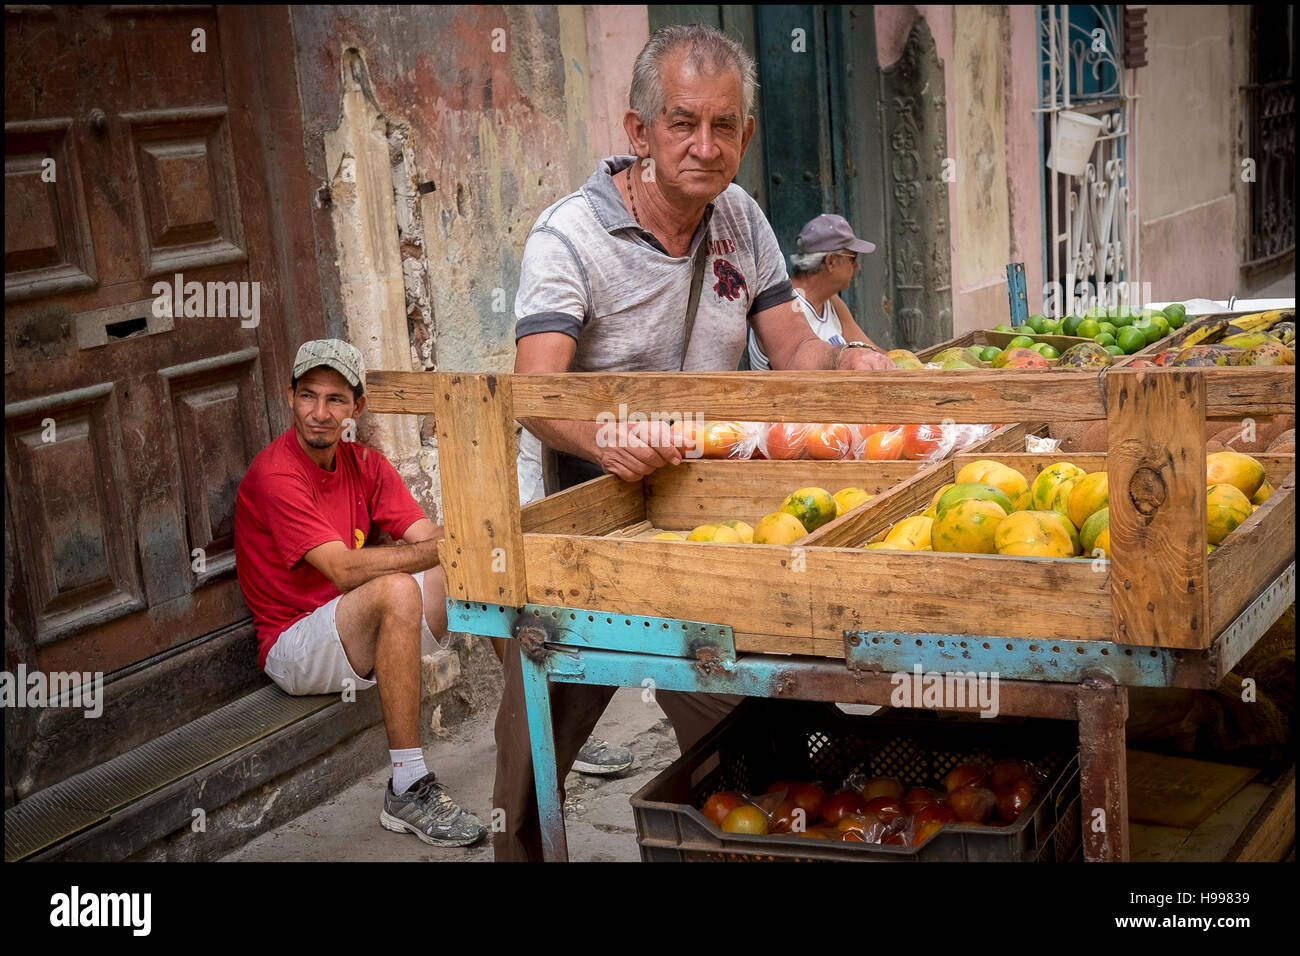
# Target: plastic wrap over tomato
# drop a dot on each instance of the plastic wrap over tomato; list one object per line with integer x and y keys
{"x": 721, "y": 440}
{"x": 785, "y": 441}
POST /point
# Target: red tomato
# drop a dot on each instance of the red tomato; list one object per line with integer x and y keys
{"x": 921, "y": 441}
{"x": 787, "y": 441}
{"x": 717, "y": 807}
{"x": 830, "y": 442}
{"x": 839, "y": 804}
{"x": 722, "y": 438}
{"x": 884, "y": 446}
{"x": 920, "y": 797}
{"x": 963, "y": 774}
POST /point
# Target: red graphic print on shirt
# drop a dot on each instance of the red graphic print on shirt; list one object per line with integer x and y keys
{"x": 730, "y": 282}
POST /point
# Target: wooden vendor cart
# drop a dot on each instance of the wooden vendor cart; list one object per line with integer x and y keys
{"x": 824, "y": 619}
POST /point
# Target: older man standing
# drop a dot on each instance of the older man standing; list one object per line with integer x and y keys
{"x": 658, "y": 263}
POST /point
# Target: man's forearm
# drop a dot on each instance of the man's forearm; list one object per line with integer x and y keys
{"x": 366, "y": 564}
{"x": 570, "y": 437}
{"x": 814, "y": 354}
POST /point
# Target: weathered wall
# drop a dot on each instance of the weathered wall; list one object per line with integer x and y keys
{"x": 1190, "y": 118}
{"x": 995, "y": 203}
{"x": 486, "y": 115}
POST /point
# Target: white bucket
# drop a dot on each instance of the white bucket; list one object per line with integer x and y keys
{"x": 1072, "y": 142}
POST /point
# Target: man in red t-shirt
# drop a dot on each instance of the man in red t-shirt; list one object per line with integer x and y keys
{"x": 330, "y": 614}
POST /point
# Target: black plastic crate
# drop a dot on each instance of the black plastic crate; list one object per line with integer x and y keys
{"x": 765, "y": 740}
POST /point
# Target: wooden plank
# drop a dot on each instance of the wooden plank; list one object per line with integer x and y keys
{"x": 1277, "y": 465}
{"x": 1180, "y": 791}
{"x": 1004, "y": 438}
{"x": 859, "y": 525}
{"x": 1156, "y": 429}
{"x": 1271, "y": 832}
{"x": 593, "y": 507}
{"x": 1247, "y": 392}
{"x": 1252, "y": 556}
{"x": 761, "y": 593}
{"x": 700, "y": 491}
{"x": 1211, "y": 842}
{"x": 1030, "y": 464}
{"x": 482, "y": 554}
{"x": 976, "y": 396}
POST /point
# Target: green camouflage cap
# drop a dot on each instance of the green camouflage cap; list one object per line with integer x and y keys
{"x": 335, "y": 353}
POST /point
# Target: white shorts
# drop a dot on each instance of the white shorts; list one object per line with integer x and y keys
{"x": 308, "y": 656}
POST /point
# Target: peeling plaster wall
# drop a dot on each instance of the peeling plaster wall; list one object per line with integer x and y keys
{"x": 479, "y": 118}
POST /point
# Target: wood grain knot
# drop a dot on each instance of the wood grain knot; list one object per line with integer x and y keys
{"x": 1147, "y": 490}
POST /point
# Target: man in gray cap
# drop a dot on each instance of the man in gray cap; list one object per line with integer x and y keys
{"x": 331, "y": 615}
{"x": 823, "y": 267}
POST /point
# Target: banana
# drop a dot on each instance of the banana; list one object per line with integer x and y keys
{"x": 1245, "y": 340}
{"x": 1260, "y": 321}
{"x": 1206, "y": 334}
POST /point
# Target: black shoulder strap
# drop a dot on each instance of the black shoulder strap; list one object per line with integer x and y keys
{"x": 693, "y": 303}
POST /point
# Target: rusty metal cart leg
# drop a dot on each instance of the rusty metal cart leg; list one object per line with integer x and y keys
{"x": 1103, "y": 778}
{"x": 541, "y": 731}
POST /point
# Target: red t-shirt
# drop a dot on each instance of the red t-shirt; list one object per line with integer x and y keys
{"x": 287, "y": 505}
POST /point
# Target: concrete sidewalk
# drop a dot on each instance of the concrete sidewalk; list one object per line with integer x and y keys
{"x": 597, "y": 810}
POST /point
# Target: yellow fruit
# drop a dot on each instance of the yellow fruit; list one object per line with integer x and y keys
{"x": 704, "y": 532}
{"x": 1064, "y": 524}
{"x": 1265, "y": 492}
{"x": 1103, "y": 541}
{"x": 1088, "y": 496}
{"x": 668, "y": 536}
{"x": 934, "y": 502}
{"x": 1233, "y": 468}
{"x": 910, "y": 534}
{"x": 725, "y": 535}
{"x": 968, "y": 526}
{"x": 1009, "y": 481}
{"x": 1033, "y": 534}
{"x": 1061, "y": 497}
{"x": 846, "y": 499}
{"x": 745, "y": 531}
{"x": 878, "y": 546}
{"x": 813, "y": 507}
{"x": 779, "y": 527}
{"x": 1226, "y": 508}
{"x": 1048, "y": 480}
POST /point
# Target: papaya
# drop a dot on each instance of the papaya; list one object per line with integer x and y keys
{"x": 1202, "y": 355}
{"x": 1087, "y": 497}
{"x": 1011, "y": 482}
{"x": 1033, "y": 534}
{"x": 1084, "y": 355}
{"x": 973, "y": 489}
{"x": 910, "y": 534}
{"x": 813, "y": 507}
{"x": 1226, "y": 508}
{"x": 969, "y": 526}
{"x": 1267, "y": 353}
{"x": 1044, "y": 486}
{"x": 1233, "y": 468}
{"x": 1020, "y": 358}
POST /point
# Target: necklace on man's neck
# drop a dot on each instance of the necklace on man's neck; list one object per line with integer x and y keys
{"x": 630, "y": 195}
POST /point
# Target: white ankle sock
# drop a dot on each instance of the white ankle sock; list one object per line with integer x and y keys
{"x": 408, "y": 767}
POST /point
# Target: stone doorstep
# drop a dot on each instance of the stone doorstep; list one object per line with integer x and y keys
{"x": 260, "y": 786}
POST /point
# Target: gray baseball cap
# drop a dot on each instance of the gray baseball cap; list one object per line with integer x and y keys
{"x": 335, "y": 353}
{"x": 831, "y": 233}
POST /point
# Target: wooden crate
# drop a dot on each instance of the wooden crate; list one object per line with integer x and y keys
{"x": 1161, "y": 590}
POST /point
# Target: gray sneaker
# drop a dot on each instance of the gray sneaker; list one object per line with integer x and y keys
{"x": 598, "y": 757}
{"x": 427, "y": 811}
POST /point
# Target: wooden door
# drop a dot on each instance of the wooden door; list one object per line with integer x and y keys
{"x": 132, "y": 156}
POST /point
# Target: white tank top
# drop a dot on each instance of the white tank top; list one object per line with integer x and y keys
{"x": 826, "y": 327}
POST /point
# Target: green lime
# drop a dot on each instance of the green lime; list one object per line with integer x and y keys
{"x": 1123, "y": 311}
{"x": 1070, "y": 324}
{"x": 1121, "y": 320}
{"x": 1051, "y": 327}
{"x": 1021, "y": 342}
{"x": 1003, "y": 328}
{"x": 1088, "y": 328}
{"x": 1107, "y": 327}
{"x": 989, "y": 352}
{"x": 1046, "y": 351}
{"x": 1176, "y": 313}
{"x": 1131, "y": 340}
{"x": 1152, "y": 332}
{"x": 1096, "y": 312}
{"x": 1104, "y": 339}
{"x": 1113, "y": 349}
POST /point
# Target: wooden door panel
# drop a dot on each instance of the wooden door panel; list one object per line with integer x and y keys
{"x": 185, "y": 190}
{"x": 47, "y": 233}
{"x": 64, "y": 467}
{"x": 220, "y": 426}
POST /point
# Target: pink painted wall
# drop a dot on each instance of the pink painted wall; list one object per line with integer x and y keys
{"x": 615, "y": 35}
